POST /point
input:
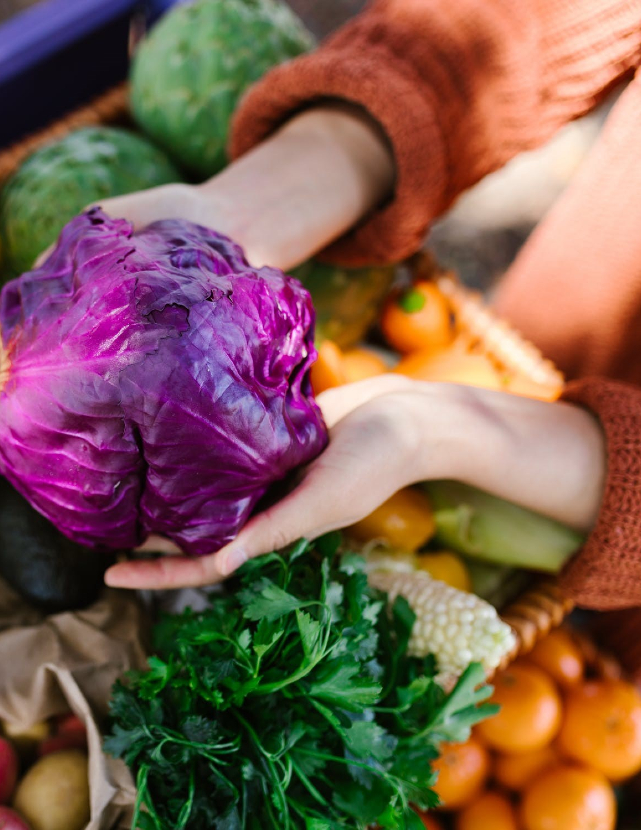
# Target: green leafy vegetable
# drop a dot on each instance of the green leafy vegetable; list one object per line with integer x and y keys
{"x": 289, "y": 703}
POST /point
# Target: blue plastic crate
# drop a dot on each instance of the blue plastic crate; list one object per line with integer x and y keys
{"x": 59, "y": 54}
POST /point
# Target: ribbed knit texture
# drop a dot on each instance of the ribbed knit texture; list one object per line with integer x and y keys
{"x": 575, "y": 290}
{"x": 607, "y": 572}
{"x": 460, "y": 87}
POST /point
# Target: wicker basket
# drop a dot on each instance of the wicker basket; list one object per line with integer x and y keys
{"x": 543, "y": 606}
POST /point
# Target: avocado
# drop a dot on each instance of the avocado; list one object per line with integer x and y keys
{"x": 43, "y": 566}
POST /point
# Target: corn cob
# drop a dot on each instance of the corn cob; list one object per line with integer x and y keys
{"x": 458, "y": 628}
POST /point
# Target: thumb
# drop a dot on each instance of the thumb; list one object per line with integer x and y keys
{"x": 358, "y": 471}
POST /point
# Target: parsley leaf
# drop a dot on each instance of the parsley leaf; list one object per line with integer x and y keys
{"x": 289, "y": 703}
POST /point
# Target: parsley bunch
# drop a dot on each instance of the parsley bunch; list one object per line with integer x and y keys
{"x": 289, "y": 704}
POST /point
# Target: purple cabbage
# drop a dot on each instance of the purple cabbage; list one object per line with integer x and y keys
{"x": 153, "y": 382}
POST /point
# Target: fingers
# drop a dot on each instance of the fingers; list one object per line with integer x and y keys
{"x": 164, "y": 573}
{"x": 139, "y": 208}
{"x": 168, "y": 201}
{"x": 364, "y": 464}
{"x": 44, "y": 256}
{"x": 362, "y": 467}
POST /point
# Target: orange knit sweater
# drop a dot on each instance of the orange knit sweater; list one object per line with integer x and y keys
{"x": 459, "y": 87}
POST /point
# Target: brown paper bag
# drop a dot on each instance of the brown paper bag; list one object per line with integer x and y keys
{"x": 69, "y": 661}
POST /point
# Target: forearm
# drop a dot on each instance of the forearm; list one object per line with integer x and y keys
{"x": 549, "y": 458}
{"x": 315, "y": 178}
{"x": 458, "y": 87}
{"x": 309, "y": 183}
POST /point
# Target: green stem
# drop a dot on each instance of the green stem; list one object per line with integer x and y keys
{"x": 308, "y": 785}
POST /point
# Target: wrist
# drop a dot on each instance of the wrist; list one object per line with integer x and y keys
{"x": 450, "y": 432}
{"x": 547, "y": 457}
{"x": 308, "y": 184}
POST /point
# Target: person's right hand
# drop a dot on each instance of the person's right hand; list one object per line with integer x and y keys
{"x": 389, "y": 432}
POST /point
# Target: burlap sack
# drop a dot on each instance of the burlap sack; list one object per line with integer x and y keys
{"x": 49, "y": 665}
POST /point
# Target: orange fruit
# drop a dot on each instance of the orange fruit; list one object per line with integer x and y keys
{"x": 602, "y": 727}
{"x": 417, "y": 318}
{"x": 405, "y": 521}
{"x": 514, "y": 772}
{"x": 490, "y": 811}
{"x": 462, "y": 772}
{"x": 328, "y": 370}
{"x": 359, "y": 364}
{"x": 446, "y": 566}
{"x": 530, "y": 713}
{"x": 429, "y": 821}
{"x": 569, "y": 798}
{"x": 560, "y": 657}
{"x": 452, "y": 365}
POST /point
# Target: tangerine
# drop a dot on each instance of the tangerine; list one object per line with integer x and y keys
{"x": 359, "y": 364}
{"x": 462, "y": 772}
{"x": 560, "y": 657}
{"x": 328, "y": 370}
{"x": 530, "y": 714}
{"x": 404, "y": 521}
{"x": 452, "y": 365}
{"x": 514, "y": 772}
{"x": 446, "y": 566}
{"x": 569, "y": 798}
{"x": 602, "y": 727}
{"x": 490, "y": 811}
{"x": 417, "y": 318}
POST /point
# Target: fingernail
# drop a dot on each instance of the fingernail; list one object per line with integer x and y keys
{"x": 232, "y": 560}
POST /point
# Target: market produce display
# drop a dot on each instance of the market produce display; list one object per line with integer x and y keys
{"x": 425, "y": 338}
{"x": 189, "y": 74}
{"x": 537, "y": 764}
{"x": 62, "y": 178}
{"x": 175, "y": 378}
{"x": 155, "y": 382}
{"x": 292, "y": 702}
{"x": 44, "y": 776}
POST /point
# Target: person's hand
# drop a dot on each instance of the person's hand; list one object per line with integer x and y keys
{"x": 389, "y": 432}
{"x": 166, "y": 201}
{"x": 370, "y": 456}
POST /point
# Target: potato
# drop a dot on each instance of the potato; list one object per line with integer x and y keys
{"x": 54, "y": 794}
{"x": 8, "y": 771}
{"x": 11, "y": 821}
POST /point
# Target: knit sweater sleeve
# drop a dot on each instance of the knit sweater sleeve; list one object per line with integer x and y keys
{"x": 606, "y": 573}
{"x": 458, "y": 87}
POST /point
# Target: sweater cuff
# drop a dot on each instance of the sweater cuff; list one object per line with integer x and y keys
{"x": 606, "y": 573}
{"x": 387, "y": 90}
